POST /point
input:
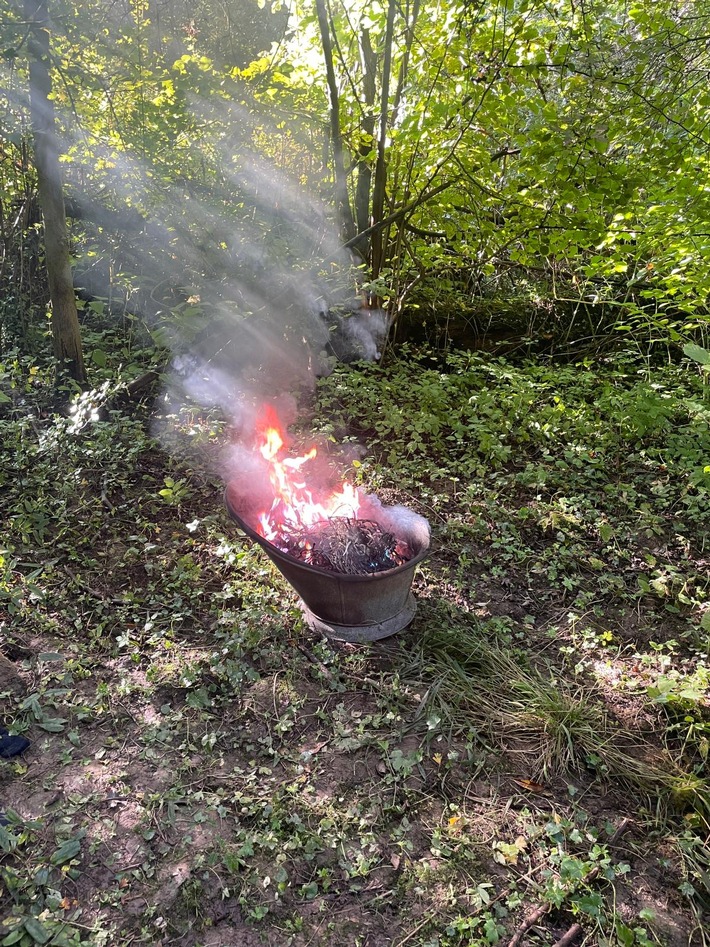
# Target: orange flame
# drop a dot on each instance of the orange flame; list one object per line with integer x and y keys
{"x": 294, "y": 506}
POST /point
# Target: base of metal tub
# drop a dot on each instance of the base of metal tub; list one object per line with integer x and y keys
{"x": 361, "y": 634}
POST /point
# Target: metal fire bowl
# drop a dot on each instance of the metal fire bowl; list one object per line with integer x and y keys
{"x": 357, "y": 608}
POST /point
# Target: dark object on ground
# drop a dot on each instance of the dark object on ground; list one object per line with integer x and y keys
{"x": 11, "y": 746}
{"x": 348, "y": 546}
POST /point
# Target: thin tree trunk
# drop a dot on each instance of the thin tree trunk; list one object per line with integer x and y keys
{"x": 404, "y": 66}
{"x": 367, "y": 129}
{"x": 397, "y": 250}
{"x": 342, "y": 201}
{"x": 378, "y": 193}
{"x": 65, "y": 321}
{"x": 358, "y": 239}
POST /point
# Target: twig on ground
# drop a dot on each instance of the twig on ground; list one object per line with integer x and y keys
{"x": 87, "y": 588}
{"x": 542, "y": 909}
{"x": 408, "y": 937}
{"x": 530, "y": 921}
{"x": 568, "y": 938}
{"x": 319, "y": 664}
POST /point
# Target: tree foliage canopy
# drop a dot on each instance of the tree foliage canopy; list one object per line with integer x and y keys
{"x": 550, "y": 154}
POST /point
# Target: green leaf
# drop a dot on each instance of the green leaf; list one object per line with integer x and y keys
{"x": 15, "y": 936}
{"x": 490, "y": 929}
{"x": 4, "y": 398}
{"x": 8, "y": 842}
{"x": 590, "y": 904}
{"x": 37, "y": 930}
{"x": 697, "y": 353}
{"x": 66, "y": 851}
{"x": 53, "y": 724}
{"x": 32, "y": 703}
{"x": 624, "y": 934}
{"x": 98, "y": 357}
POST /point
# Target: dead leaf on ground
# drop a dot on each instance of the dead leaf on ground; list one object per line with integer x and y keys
{"x": 531, "y": 786}
{"x": 312, "y": 750}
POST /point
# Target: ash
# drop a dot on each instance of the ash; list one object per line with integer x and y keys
{"x": 348, "y": 546}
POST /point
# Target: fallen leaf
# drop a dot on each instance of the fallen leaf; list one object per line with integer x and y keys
{"x": 506, "y": 853}
{"x": 312, "y": 750}
{"x": 531, "y": 786}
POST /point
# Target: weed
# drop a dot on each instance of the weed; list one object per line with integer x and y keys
{"x": 187, "y": 720}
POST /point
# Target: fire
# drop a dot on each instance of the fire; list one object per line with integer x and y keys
{"x": 294, "y": 507}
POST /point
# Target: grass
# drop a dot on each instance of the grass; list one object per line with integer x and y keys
{"x": 553, "y": 727}
{"x": 204, "y": 770}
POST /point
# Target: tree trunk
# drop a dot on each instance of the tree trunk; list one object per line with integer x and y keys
{"x": 404, "y": 65}
{"x": 367, "y": 130}
{"x": 65, "y": 320}
{"x": 342, "y": 201}
{"x": 378, "y": 193}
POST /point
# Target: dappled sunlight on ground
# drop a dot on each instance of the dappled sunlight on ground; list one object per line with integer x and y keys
{"x": 212, "y": 771}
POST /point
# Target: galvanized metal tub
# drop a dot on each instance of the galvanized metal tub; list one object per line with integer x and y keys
{"x": 355, "y": 608}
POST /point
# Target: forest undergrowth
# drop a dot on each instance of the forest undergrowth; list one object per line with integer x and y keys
{"x": 525, "y": 764}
